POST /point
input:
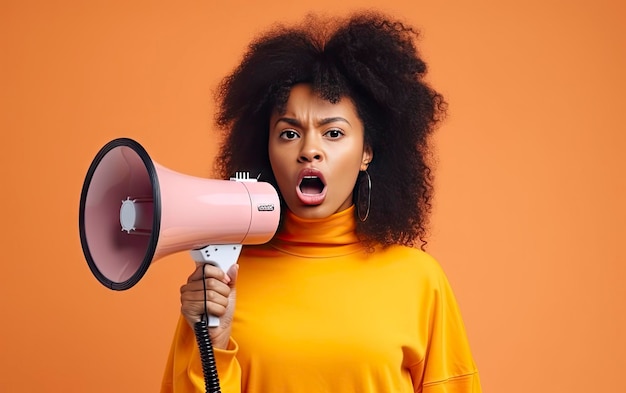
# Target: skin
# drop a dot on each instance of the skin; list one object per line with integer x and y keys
{"x": 312, "y": 138}
{"x": 317, "y": 138}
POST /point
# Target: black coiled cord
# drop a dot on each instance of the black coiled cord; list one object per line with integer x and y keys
{"x": 209, "y": 368}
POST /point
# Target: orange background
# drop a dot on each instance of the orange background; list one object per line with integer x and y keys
{"x": 529, "y": 221}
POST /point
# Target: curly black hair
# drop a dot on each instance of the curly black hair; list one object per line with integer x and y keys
{"x": 369, "y": 58}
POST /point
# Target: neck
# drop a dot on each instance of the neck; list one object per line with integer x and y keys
{"x": 318, "y": 238}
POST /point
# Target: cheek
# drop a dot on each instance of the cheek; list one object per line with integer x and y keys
{"x": 349, "y": 171}
{"x": 275, "y": 158}
{"x": 279, "y": 166}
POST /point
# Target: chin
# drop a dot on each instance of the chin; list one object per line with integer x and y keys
{"x": 311, "y": 212}
{"x": 315, "y": 211}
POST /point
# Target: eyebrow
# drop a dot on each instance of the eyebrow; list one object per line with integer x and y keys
{"x": 321, "y": 122}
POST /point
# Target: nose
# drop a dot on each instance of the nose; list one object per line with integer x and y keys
{"x": 310, "y": 151}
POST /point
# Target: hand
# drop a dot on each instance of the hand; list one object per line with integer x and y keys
{"x": 220, "y": 299}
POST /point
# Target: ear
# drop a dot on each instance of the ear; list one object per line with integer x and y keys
{"x": 368, "y": 156}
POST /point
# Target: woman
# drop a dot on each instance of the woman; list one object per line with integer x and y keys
{"x": 336, "y": 115}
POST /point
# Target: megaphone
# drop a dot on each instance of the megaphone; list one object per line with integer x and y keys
{"x": 134, "y": 211}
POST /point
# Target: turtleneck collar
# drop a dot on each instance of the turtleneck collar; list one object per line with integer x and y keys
{"x": 318, "y": 237}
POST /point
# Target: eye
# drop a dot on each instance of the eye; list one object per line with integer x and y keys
{"x": 334, "y": 133}
{"x": 289, "y": 134}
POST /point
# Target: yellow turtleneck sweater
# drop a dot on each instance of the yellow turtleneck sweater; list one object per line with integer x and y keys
{"x": 316, "y": 312}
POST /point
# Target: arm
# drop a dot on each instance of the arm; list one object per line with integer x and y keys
{"x": 184, "y": 368}
{"x": 448, "y": 365}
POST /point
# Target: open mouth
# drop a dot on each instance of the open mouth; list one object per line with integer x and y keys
{"x": 311, "y": 189}
{"x": 311, "y": 185}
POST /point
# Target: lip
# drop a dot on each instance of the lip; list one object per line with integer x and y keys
{"x": 311, "y": 199}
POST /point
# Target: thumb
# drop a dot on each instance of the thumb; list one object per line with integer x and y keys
{"x": 232, "y": 273}
{"x": 227, "y": 319}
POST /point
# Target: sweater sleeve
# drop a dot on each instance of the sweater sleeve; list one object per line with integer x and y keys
{"x": 183, "y": 372}
{"x": 448, "y": 365}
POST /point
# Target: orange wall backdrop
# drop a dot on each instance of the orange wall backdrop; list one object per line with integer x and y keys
{"x": 529, "y": 223}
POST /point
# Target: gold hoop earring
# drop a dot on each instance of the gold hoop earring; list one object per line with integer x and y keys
{"x": 365, "y": 182}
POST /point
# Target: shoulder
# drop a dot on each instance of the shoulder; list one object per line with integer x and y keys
{"x": 413, "y": 265}
{"x": 411, "y": 258}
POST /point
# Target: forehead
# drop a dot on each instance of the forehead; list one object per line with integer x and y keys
{"x": 304, "y": 102}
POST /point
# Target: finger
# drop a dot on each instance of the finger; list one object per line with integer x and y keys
{"x": 199, "y": 287}
{"x": 209, "y": 271}
{"x": 194, "y": 310}
{"x": 199, "y": 297}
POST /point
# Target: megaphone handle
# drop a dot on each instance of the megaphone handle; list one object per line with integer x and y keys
{"x": 222, "y": 256}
